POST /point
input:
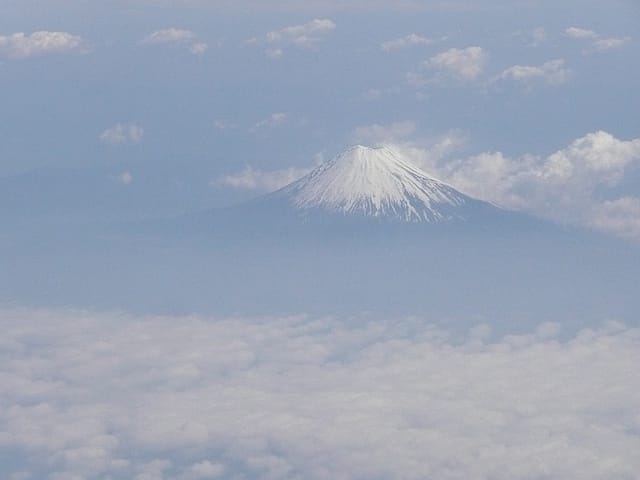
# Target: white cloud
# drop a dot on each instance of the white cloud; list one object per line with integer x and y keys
{"x": 553, "y": 72}
{"x": 20, "y": 45}
{"x": 302, "y": 35}
{"x": 466, "y": 64}
{"x": 411, "y": 40}
{"x": 566, "y": 186}
{"x": 610, "y": 43}
{"x": 169, "y": 35}
{"x": 253, "y": 179}
{"x": 305, "y": 35}
{"x": 620, "y": 217}
{"x": 199, "y": 48}
{"x": 598, "y": 42}
{"x": 580, "y": 33}
{"x": 122, "y": 134}
{"x": 86, "y": 395}
{"x": 377, "y": 134}
{"x": 463, "y": 64}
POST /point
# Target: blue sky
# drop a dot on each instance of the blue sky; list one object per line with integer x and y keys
{"x": 166, "y": 106}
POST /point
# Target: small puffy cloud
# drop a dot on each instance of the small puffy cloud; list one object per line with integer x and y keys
{"x": 580, "y": 33}
{"x": 20, "y": 45}
{"x": 122, "y": 134}
{"x": 169, "y": 35}
{"x": 377, "y": 134}
{"x": 411, "y": 40}
{"x": 87, "y": 395}
{"x": 252, "y": 179}
{"x": 463, "y": 64}
{"x": 553, "y": 72}
{"x": 199, "y": 48}
{"x": 597, "y": 41}
{"x": 302, "y": 35}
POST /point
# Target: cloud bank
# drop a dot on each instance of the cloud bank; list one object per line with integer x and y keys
{"x": 574, "y": 185}
{"x": 86, "y": 395}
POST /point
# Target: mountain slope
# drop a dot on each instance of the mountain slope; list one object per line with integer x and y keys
{"x": 376, "y": 183}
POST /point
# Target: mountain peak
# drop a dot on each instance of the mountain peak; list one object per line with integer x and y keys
{"x": 375, "y": 182}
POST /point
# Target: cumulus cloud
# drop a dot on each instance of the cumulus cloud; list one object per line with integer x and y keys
{"x": 569, "y": 185}
{"x": 459, "y": 64}
{"x": 268, "y": 181}
{"x": 597, "y": 41}
{"x": 463, "y": 64}
{"x": 122, "y": 134}
{"x": 305, "y": 35}
{"x": 87, "y": 395}
{"x": 411, "y": 40}
{"x": 20, "y": 45}
{"x": 553, "y": 72}
{"x": 169, "y": 35}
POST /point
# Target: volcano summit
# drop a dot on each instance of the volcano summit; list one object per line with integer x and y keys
{"x": 376, "y": 184}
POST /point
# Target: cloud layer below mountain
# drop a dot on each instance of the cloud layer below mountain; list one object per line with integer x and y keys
{"x": 86, "y": 395}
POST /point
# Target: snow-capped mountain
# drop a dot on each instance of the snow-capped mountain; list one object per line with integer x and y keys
{"x": 376, "y": 183}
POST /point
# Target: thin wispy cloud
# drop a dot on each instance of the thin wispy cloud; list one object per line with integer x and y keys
{"x": 303, "y": 36}
{"x": 21, "y": 45}
{"x": 122, "y": 134}
{"x": 87, "y": 395}
{"x": 169, "y": 35}
{"x": 275, "y": 120}
{"x": 176, "y": 36}
{"x": 265, "y": 181}
{"x": 598, "y": 42}
{"x": 411, "y": 40}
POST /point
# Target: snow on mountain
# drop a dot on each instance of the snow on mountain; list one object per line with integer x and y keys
{"x": 379, "y": 183}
